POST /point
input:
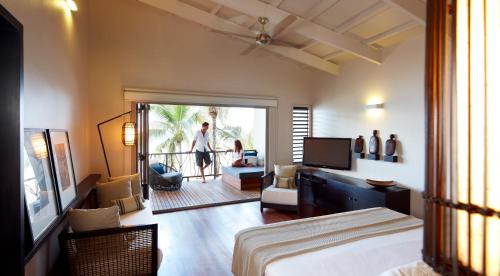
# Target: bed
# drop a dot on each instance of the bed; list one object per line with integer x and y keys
{"x": 242, "y": 178}
{"x": 364, "y": 242}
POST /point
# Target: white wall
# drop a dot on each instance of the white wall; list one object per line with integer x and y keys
{"x": 55, "y": 71}
{"x": 339, "y": 111}
{"x": 55, "y": 85}
{"x": 135, "y": 45}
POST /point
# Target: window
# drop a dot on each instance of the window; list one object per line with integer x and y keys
{"x": 300, "y": 125}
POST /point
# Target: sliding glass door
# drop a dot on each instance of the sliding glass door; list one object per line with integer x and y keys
{"x": 143, "y": 145}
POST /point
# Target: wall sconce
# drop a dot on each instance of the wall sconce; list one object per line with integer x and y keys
{"x": 375, "y": 106}
{"x": 128, "y": 134}
{"x": 39, "y": 146}
{"x": 375, "y": 110}
{"x": 71, "y": 5}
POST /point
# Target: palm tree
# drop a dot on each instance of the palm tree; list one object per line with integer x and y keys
{"x": 174, "y": 126}
{"x": 229, "y": 134}
{"x": 222, "y": 133}
{"x": 225, "y": 133}
{"x": 249, "y": 141}
{"x": 213, "y": 111}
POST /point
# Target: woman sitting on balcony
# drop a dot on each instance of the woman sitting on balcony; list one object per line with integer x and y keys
{"x": 237, "y": 154}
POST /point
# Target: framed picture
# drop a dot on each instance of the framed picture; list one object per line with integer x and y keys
{"x": 63, "y": 167}
{"x": 39, "y": 185}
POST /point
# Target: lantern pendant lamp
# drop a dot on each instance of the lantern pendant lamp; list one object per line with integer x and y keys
{"x": 128, "y": 134}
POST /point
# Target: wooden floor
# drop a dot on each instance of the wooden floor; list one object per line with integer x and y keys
{"x": 200, "y": 242}
{"x": 195, "y": 194}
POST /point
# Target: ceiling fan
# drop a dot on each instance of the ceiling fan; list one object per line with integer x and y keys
{"x": 263, "y": 37}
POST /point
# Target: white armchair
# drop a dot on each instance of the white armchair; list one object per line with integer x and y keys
{"x": 278, "y": 198}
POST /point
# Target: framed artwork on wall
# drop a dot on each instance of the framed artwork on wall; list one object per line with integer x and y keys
{"x": 39, "y": 185}
{"x": 63, "y": 167}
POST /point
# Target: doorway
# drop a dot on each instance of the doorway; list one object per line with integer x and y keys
{"x": 11, "y": 193}
{"x": 172, "y": 128}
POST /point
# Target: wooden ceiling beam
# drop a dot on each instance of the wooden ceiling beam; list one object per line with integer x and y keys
{"x": 277, "y": 3}
{"x": 309, "y": 45}
{"x": 391, "y": 32}
{"x": 305, "y": 58}
{"x": 320, "y": 8}
{"x": 242, "y": 19}
{"x": 340, "y": 42}
{"x": 216, "y": 9}
{"x": 306, "y": 28}
{"x": 332, "y": 55}
{"x": 216, "y": 23}
{"x": 413, "y": 8}
{"x": 288, "y": 29}
{"x": 362, "y": 16}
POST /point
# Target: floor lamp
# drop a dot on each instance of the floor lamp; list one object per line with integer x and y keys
{"x": 128, "y": 135}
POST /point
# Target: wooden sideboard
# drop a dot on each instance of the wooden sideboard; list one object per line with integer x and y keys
{"x": 325, "y": 193}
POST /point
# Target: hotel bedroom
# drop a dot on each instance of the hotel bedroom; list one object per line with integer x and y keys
{"x": 379, "y": 154}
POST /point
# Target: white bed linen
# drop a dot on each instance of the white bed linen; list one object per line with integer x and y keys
{"x": 368, "y": 257}
{"x": 416, "y": 268}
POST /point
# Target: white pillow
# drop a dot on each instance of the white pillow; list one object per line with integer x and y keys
{"x": 285, "y": 171}
{"x": 252, "y": 160}
{"x": 135, "y": 182}
{"x": 113, "y": 190}
{"x": 94, "y": 219}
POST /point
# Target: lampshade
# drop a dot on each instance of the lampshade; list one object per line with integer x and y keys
{"x": 462, "y": 209}
{"x": 128, "y": 134}
{"x": 39, "y": 146}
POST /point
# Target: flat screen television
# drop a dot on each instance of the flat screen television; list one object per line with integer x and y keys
{"x": 332, "y": 153}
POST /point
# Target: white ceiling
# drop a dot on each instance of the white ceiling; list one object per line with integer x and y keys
{"x": 326, "y": 32}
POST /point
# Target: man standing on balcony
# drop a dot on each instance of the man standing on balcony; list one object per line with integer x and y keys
{"x": 203, "y": 149}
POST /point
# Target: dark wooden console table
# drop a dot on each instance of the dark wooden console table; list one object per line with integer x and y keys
{"x": 325, "y": 193}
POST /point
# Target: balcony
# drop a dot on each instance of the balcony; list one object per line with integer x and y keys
{"x": 185, "y": 162}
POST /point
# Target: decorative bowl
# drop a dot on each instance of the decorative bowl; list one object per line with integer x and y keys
{"x": 380, "y": 184}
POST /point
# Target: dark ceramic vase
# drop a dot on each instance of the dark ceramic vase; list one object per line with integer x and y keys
{"x": 374, "y": 143}
{"x": 359, "y": 144}
{"x": 390, "y": 145}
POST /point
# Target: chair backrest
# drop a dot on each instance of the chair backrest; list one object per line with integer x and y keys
{"x": 158, "y": 167}
{"x": 115, "y": 251}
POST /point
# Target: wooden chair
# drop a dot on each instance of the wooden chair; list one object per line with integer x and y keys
{"x": 112, "y": 252}
{"x": 277, "y": 198}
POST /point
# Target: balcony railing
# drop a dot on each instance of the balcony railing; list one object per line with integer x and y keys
{"x": 185, "y": 162}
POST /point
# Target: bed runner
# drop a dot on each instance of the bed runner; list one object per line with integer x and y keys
{"x": 256, "y": 247}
